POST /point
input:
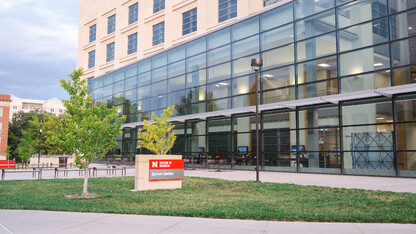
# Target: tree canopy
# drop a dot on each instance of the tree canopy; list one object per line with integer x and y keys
{"x": 89, "y": 130}
{"x": 158, "y": 137}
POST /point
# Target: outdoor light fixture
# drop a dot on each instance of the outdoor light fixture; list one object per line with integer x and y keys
{"x": 256, "y": 64}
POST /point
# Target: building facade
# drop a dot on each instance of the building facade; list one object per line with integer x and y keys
{"x": 337, "y": 86}
{"x": 53, "y": 106}
{"x": 4, "y": 123}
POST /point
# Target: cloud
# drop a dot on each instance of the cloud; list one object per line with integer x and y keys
{"x": 38, "y": 46}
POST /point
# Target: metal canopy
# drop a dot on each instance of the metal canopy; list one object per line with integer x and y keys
{"x": 336, "y": 98}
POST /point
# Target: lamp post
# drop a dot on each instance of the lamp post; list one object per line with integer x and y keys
{"x": 255, "y": 65}
{"x": 40, "y": 138}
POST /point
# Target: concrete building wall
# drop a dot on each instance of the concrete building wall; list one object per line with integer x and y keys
{"x": 4, "y": 122}
{"x": 96, "y": 12}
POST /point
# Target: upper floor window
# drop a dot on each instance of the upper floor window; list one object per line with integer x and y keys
{"x": 132, "y": 44}
{"x": 93, "y": 32}
{"x": 61, "y": 111}
{"x": 111, "y": 24}
{"x": 52, "y": 110}
{"x": 158, "y": 5}
{"x": 110, "y": 52}
{"x": 270, "y": 2}
{"x": 189, "y": 22}
{"x": 1, "y": 127}
{"x": 91, "y": 59}
{"x": 227, "y": 9}
{"x": 158, "y": 33}
{"x": 14, "y": 107}
{"x": 133, "y": 13}
{"x": 1, "y": 111}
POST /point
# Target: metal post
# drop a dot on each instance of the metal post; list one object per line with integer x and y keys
{"x": 40, "y": 137}
{"x": 257, "y": 128}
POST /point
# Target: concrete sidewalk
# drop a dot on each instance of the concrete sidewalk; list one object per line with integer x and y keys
{"x": 28, "y": 221}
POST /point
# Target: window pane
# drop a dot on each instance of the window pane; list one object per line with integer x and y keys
{"x": 242, "y": 66}
{"x": 402, "y": 52}
{"x": 159, "y": 74}
{"x": 176, "y": 54}
{"x": 219, "y": 72}
{"x": 364, "y": 60}
{"x": 158, "y": 88}
{"x": 360, "y": 11}
{"x": 366, "y": 81}
{"x": 245, "y": 29}
{"x": 278, "y": 57}
{"x": 279, "y": 95}
{"x": 317, "y": 70}
{"x": 304, "y": 8}
{"x": 405, "y": 75}
{"x": 159, "y": 60}
{"x": 277, "y": 37}
{"x": 278, "y": 78}
{"x": 196, "y": 78}
{"x": 274, "y": 18}
{"x": 367, "y": 113}
{"x": 219, "y": 55}
{"x": 246, "y": 47}
{"x": 196, "y": 47}
{"x": 143, "y": 79}
{"x": 144, "y": 66}
{"x": 396, "y": 5}
{"x": 406, "y": 111}
{"x": 316, "y": 25}
{"x": 196, "y": 62}
{"x": 359, "y": 36}
{"x": 244, "y": 85}
{"x": 318, "y": 117}
{"x": 317, "y": 47}
{"x": 318, "y": 89}
{"x": 143, "y": 92}
{"x": 176, "y": 83}
{"x": 219, "y": 90}
{"x": 219, "y": 38}
{"x": 176, "y": 68}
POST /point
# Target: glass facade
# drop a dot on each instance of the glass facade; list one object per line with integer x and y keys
{"x": 311, "y": 50}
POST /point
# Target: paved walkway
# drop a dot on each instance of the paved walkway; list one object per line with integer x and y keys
{"x": 336, "y": 181}
{"x": 27, "y": 221}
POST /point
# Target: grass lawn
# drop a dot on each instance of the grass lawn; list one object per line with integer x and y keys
{"x": 214, "y": 198}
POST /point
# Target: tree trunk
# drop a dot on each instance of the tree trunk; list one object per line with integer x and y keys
{"x": 85, "y": 189}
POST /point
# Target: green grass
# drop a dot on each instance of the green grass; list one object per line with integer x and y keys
{"x": 214, "y": 198}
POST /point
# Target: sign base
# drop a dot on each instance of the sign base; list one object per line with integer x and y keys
{"x": 143, "y": 181}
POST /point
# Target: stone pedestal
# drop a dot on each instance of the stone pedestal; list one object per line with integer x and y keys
{"x": 142, "y": 182}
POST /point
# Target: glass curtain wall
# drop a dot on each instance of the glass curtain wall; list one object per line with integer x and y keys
{"x": 309, "y": 49}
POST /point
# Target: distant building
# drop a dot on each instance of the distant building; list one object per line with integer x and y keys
{"x": 53, "y": 106}
{"x": 4, "y": 122}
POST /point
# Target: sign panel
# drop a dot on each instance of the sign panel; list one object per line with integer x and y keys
{"x": 166, "y": 169}
{"x": 7, "y": 163}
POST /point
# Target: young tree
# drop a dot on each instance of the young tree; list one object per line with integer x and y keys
{"x": 26, "y": 149}
{"x": 158, "y": 137}
{"x": 89, "y": 130}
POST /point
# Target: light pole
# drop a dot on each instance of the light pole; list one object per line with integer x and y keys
{"x": 255, "y": 65}
{"x": 40, "y": 137}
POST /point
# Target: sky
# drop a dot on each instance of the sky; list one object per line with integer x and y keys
{"x": 38, "y": 46}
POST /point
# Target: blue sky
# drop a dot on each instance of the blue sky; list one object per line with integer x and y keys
{"x": 38, "y": 46}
